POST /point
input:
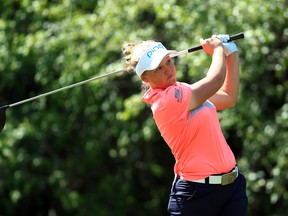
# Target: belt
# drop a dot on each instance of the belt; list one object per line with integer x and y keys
{"x": 224, "y": 179}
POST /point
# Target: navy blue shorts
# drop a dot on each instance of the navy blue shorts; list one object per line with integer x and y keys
{"x": 189, "y": 198}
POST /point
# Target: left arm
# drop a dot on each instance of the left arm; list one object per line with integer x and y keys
{"x": 228, "y": 94}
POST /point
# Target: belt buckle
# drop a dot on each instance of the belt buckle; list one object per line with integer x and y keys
{"x": 229, "y": 178}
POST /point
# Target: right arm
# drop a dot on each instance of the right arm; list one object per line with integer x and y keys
{"x": 209, "y": 85}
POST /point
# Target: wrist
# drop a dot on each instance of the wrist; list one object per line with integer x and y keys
{"x": 230, "y": 48}
{"x": 219, "y": 49}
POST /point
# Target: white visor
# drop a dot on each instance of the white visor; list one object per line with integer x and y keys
{"x": 152, "y": 57}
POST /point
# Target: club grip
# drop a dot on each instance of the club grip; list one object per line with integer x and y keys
{"x": 232, "y": 38}
{"x": 236, "y": 36}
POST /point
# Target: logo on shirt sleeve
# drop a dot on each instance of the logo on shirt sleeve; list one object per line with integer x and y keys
{"x": 178, "y": 95}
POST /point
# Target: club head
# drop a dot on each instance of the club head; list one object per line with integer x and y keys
{"x": 2, "y": 117}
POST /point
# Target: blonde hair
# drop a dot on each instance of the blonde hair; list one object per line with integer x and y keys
{"x": 133, "y": 52}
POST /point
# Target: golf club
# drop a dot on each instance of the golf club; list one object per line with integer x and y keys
{"x": 3, "y": 108}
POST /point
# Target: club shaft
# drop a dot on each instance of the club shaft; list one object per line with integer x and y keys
{"x": 64, "y": 88}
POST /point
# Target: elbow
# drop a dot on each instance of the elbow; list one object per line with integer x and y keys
{"x": 233, "y": 100}
{"x": 225, "y": 103}
{"x": 231, "y": 103}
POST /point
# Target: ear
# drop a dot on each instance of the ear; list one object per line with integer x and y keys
{"x": 144, "y": 78}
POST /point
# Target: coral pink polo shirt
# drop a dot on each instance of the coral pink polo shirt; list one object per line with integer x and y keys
{"x": 194, "y": 137}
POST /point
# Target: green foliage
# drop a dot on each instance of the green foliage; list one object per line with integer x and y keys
{"x": 95, "y": 149}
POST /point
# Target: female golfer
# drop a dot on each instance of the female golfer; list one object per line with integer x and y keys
{"x": 207, "y": 180}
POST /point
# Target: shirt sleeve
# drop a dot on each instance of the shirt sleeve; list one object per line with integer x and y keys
{"x": 177, "y": 99}
{"x": 170, "y": 110}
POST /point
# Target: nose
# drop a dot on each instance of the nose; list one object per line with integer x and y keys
{"x": 167, "y": 70}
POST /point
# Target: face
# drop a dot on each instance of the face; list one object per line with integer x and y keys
{"x": 163, "y": 76}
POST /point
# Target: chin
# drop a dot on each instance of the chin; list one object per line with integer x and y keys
{"x": 173, "y": 81}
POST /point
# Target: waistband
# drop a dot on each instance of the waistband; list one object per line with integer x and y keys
{"x": 223, "y": 179}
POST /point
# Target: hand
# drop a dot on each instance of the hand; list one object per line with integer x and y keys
{"x": 229, "y": 47}
{"x": 210, "y": 44}
{"x": 222, "y": 37}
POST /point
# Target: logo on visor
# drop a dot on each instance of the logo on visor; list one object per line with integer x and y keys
{"x": 154, "y": 49}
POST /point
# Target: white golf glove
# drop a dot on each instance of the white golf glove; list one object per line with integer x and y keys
{"x": 229, "y": 47}
{"x": 222, "y": 37}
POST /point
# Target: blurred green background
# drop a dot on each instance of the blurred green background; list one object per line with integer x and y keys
{"x": 94, "y": 150}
